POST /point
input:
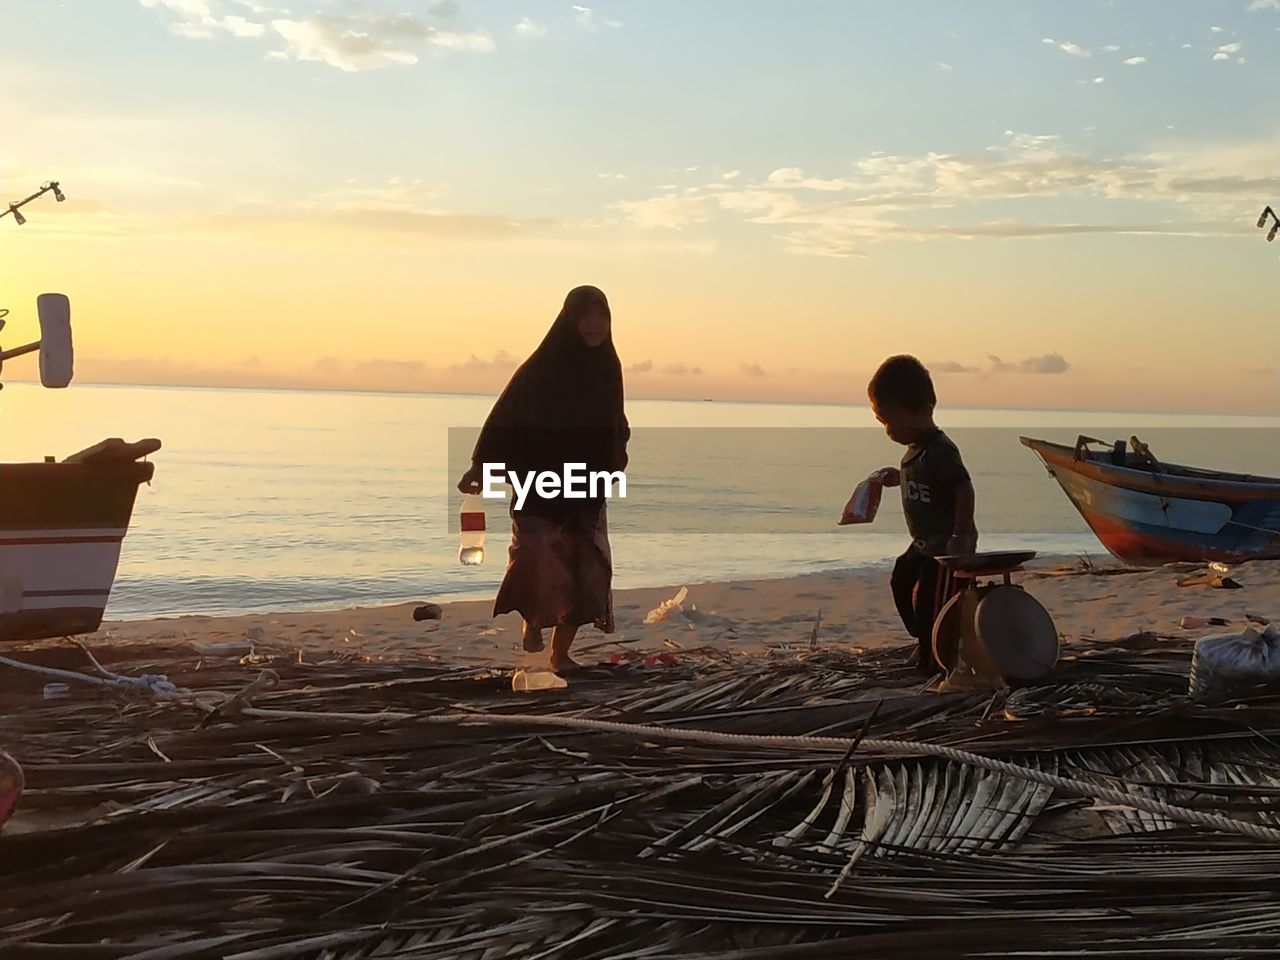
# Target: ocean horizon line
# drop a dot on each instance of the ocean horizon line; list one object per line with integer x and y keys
{"x": 350, "y": 391}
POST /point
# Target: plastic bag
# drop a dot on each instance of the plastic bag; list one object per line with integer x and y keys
{"x": 865, "y": 502}
{"x": 1226, "y": 662}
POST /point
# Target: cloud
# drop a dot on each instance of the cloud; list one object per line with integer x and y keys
{"x": 945, "y": 67}
{"x": 1067, "y": 46}
{"x": 396, "y": 206}
{"x": 528, "y": 28}
{"x": 753, "y": 370}
{"x": 1135, "y": 61}
{"x": 1111, "y": 48}
{"x": 199, "y": 20}
{"x": 1050, "y": 363}
{"x": 672, "y": 211}
{"x": 240, "y": 27}
{"x": 1227, "y": 50}
{"x": 1265, "y": 5}
{"x": 500, "y": 361}
{"x": 1188, "y": 190}
{"x": 1217, "y": 29}
{"x": 351, "y": 42}
{"x": 368, "y": 42}
{"x": 644, "y": 366}
{"x": 950, "y": 366}
{"x": 427, "y": 224}
{"x": 682, "y": 370}
{"x": 1099, "y": 79}
{"x": 588, "y": 19}
{"x": 612, "y": 176}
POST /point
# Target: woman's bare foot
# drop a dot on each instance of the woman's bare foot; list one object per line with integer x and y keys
{"x": 532, "y": 639}
{"x": 561, "y": 640}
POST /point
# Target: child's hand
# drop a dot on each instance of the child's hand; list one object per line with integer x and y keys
{"x": 890, "y": 476}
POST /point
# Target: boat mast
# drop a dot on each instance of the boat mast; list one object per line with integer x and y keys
{"x": 15, "y": 208}
{"x": 46, "y": 187}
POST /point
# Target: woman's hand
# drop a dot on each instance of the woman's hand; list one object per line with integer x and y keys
{"x": 470, "y": 482}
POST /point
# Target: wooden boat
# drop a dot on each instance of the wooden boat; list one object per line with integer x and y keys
{"x": 1149, "y": 513}
{"x": 62, "y": 524}
{"x": 61, "y": 529}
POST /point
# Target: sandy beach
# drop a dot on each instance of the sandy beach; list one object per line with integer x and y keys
{"x": 746, "y": 616}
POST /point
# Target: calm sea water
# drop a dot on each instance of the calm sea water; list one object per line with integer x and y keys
{"x": 270, "y": 500}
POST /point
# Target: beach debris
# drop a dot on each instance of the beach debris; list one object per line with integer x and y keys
{"x": 157, "y": 685}
{"x": 669, "y": 607}
{"x": 1199, "y": 623}
{"x": 865, "y": 502}
{"x": 1211, "y": 579}
{"x": 428, "y": 611}
{"x": 817, "y": 625}
{"x": 747, "y": 833}
{"x": 233, "y": 707}
{"x": 227, "y": 647}
{"x": 56, "y": 691}
{"x": 531, "y": 679}
{"x": 1226, "y": 663}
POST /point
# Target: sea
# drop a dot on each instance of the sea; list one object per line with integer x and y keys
{"x": 271, "y": 500}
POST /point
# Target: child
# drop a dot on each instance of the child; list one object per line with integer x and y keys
{"x": 937, "y": 494}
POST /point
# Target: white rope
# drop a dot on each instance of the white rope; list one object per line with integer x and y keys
{"x": 1066, "y": 785}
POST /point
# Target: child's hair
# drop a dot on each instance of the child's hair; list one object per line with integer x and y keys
{"x": 904, "y": 382}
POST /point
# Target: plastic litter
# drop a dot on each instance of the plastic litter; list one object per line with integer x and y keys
{"x": 865, "y": 502}
{"x": 669, "y": 607}
{"x": 1228, "y": 663}
{"x": 525, "y": 681}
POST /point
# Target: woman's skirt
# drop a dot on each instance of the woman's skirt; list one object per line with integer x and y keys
{"x": 559, "y": 570}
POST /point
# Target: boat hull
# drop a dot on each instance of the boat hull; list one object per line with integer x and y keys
{"x": 1148, "y": 518}
{"x": 62, "y": 526}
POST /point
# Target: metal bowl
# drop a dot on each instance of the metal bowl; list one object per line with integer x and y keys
{"x": 1017, "y": 633}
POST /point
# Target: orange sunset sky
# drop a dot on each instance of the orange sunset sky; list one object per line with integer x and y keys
{"x": 1051, "y": 204}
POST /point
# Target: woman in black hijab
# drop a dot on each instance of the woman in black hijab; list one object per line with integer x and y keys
{"x": 563, "y": 405}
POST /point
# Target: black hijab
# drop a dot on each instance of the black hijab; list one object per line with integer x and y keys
{"x": 564, "y": 404}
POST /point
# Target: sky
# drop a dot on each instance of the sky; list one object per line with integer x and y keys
{"x": 1052, "y": 204}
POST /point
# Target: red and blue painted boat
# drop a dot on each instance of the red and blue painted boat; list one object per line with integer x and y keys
{"x": 1149, "y": 513}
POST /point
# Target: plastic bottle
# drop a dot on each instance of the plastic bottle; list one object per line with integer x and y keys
{"x": 471, "y": 523}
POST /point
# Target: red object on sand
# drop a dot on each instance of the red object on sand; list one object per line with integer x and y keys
{"x": 11, "y": 782}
